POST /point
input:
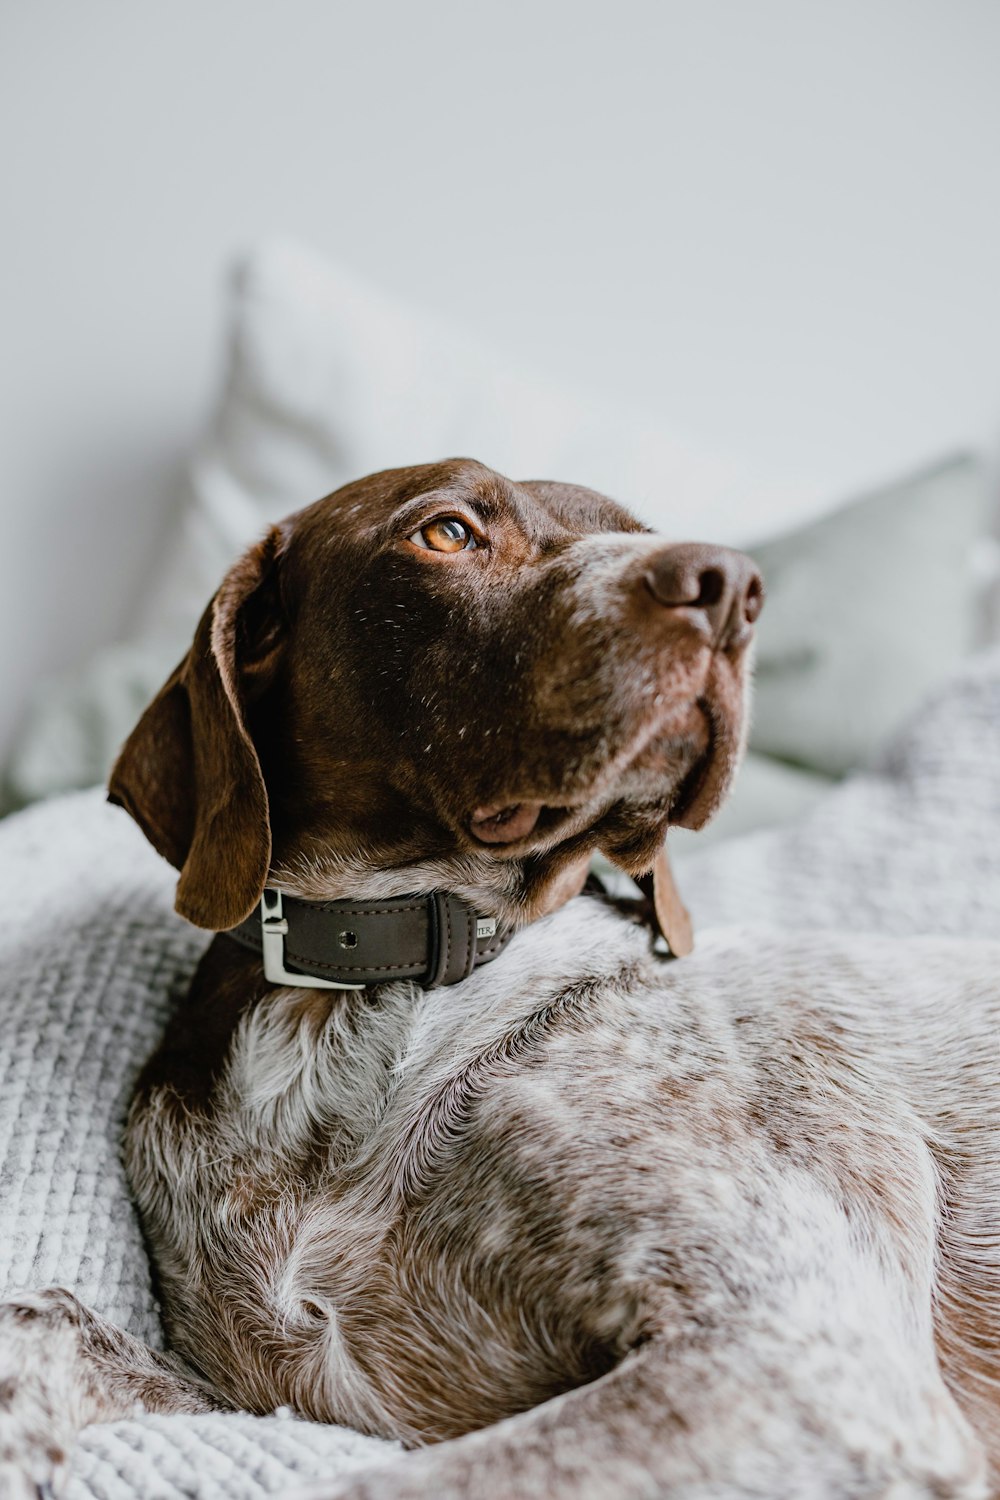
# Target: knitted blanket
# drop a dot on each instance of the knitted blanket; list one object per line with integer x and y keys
{"x": 91, "y": 955}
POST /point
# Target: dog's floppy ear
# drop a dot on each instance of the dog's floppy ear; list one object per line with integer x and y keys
{"x": 671, "y": 914}
{"x": 189, "y": 773}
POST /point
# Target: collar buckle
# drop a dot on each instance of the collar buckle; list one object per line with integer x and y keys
{"x": 273, "y": 929}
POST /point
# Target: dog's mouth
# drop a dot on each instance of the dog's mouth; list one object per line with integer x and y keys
{"x": 695, "y": 798}
{"x": 690, "y": 789}
{"x": 502, "y": 823}
{"x": 509, "y": 823}
{"x": 512, "y": 822}
{"x": 706, "y": 783}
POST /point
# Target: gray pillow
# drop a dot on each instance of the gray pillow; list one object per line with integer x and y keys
{"x": 767, "y": 794}
{"x": 868, "y": 609}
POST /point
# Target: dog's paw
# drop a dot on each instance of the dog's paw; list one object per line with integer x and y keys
{"x": 32, "y": 1458}
{"x": 33, "y": 1317}
{"x": 34, "y": 1433}
{"x": 30, "y": 1477}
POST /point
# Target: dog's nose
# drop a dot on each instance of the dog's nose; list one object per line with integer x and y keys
{"x": 724, "y": 585}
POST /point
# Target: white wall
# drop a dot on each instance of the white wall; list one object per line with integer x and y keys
{"x": 776, "y": 222}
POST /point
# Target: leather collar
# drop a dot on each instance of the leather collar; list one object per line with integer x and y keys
{"x": 437, "y": 939}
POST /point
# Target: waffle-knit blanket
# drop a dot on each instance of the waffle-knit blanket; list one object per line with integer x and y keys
{"x": 91, "y": 953}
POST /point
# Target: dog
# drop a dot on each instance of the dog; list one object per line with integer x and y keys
{"x": 444, "y": 1146}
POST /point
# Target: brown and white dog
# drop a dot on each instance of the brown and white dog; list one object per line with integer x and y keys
{"x": 589, "y": 1223}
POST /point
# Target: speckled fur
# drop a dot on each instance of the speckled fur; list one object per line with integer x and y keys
{"x": 591, "y": 1224}
{"x": 756, "y": 1184}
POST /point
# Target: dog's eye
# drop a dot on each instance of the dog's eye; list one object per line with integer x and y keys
{"x": 449, "y": 534}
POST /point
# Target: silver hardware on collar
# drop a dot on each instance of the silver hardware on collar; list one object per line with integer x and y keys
{"x": 273, "y": 928}
{"x": 486, "y": 927}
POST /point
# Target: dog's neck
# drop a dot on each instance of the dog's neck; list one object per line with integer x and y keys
{"x": 509, "y": 890}
{"x": 345, "y": 830}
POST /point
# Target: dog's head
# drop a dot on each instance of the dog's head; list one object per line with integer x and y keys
{"x": 439, "y": 679}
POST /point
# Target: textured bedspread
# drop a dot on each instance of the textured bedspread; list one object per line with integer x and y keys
{"x": 90, "y": 954}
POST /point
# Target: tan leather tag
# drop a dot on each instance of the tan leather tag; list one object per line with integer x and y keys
{"x": 671, "y": 913}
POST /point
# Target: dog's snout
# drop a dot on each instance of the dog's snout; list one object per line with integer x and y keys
{"x": 723, "y": 585}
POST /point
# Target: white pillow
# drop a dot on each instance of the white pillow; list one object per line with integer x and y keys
{"x": 331, "y": 379}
